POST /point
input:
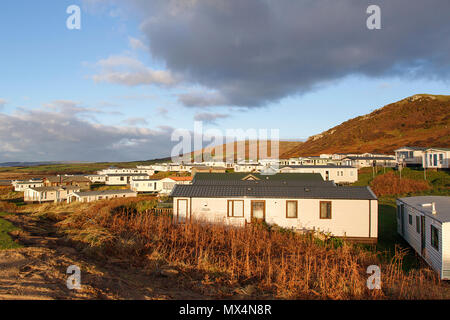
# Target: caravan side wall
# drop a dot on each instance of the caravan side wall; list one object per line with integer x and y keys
{"x": 446, "y": 251}
{"x": 432, "y": 256}
{"x": 349, "y": 217}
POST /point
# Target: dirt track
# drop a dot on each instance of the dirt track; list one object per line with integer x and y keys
{"x": 38, "y": 271}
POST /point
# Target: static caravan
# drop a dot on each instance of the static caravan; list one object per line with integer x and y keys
{"x": 99, "y": 195}
{"x": 338, "y": 174}
{"x": 436, "y": 158}
{"x": 424, "y": 222}
{"x": 248, "y": 167}
{"x": 410, "y": 156}
{"x": 21, "y": 186}
{"x": 146, "y": 185}
{"x": 123, "y": 179}
{"x": 97, "y": 178}
{"x": 364, "y": 162}
{"x": 167, "y": 184}
{"x": 347, "y": 212}
{"x": 49, "y": 194}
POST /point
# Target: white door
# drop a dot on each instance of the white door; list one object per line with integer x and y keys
{"x": 182, "y": 210}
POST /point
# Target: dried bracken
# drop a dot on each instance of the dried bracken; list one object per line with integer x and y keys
{"x": 391, "y": 184}
{"x": 255, "y": 261}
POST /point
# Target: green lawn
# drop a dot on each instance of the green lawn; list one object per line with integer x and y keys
{"x": 388, "y": 237}
{"x": 5, "y": 240}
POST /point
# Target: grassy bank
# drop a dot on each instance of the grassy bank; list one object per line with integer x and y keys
{"x": 5, "y": 240}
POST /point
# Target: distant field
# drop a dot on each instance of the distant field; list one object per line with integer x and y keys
{"x": 73, "y": 168}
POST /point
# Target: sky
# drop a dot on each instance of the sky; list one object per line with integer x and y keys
{"x": 138, "y": 70}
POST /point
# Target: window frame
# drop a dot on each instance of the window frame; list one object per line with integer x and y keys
{"x": 296, "y": 209}
{"x": 232, "y": 209}
{"x": 320, "y": 210}
{"x": 432, "y": 242}
{"x": 410, "y": 219}
{"x": 418, "y": 224}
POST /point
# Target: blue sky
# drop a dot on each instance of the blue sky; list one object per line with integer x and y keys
{"x": 49, "y": 70}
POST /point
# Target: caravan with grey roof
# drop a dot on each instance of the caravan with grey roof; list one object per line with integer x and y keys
{"x": 424, "y": 222}
{"x": 301, "y": 204}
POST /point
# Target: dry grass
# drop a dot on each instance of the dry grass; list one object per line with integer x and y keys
{"x": 390, "y": 184}
{"x": 252, "y": 262}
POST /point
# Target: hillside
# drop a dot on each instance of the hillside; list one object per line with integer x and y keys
{"x": 284, "y": 147}
{"x": 421, "y": 120}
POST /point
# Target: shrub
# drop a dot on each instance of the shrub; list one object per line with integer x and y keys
{"x": 390, "y": 184}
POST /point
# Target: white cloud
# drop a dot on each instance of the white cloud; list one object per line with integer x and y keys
{"x": 129, "y": 71}
{"x": 56, "y": 134}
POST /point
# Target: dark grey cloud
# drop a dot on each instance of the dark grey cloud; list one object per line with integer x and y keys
{"x": 210, "y": 117}
{"x": 32, "y": 135}
{"x": 202, "y": 99}
{"x": 255, "y": 52}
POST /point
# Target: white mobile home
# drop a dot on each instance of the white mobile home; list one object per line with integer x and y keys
{"x": 146, "y": 185}
{"x": 372, "y": 161}
{"x": 436, "y": 158}
{"x": 123, "y": 179}
{"x": 99, "y": 195}
{"x": 96, "y": 178}
{"x": 49, "y": 194}
{"x": 347, "y": 212}
{"x": 338, "y": 174}
{"x": 410, "y": 156}
{"x": 137, "y": 170}
{"x": 424, "y": 222}
{"x": 248, "y": 167}
{"x": 22, "y": 185}
{"x": 167, "y": 184}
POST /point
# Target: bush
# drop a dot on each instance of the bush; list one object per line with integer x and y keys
{"x": 390, "y": 184}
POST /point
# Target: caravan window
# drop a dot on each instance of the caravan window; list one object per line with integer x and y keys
{"x": 325, "y": 209}
{"x": 410, "y": 219}
{"x": 236, "y": 208}
{"x": 435, "y": 237}
{"x": 418, "y": 224}
{"x": 291, "y": 209}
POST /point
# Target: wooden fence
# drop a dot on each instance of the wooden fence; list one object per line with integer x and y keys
{"x": 162, "y": 211}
